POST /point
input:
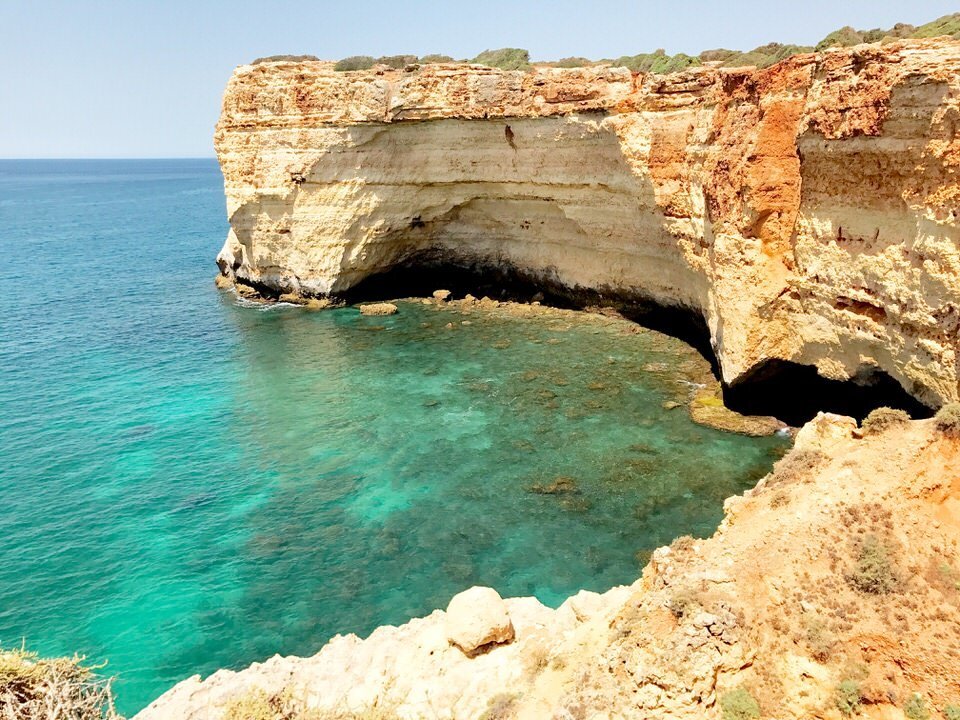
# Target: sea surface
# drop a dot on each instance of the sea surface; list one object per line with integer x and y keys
{"x": 188, "y": 482}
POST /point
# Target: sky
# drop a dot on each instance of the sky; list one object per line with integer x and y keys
{"x": 144, "y": 78}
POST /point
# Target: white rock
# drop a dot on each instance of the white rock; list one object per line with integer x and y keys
{"x": 478, "y": 617}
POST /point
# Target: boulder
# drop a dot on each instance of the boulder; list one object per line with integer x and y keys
{"x": 441, "y": 294}
{"x": 378, "y": 309}
{"x": 291, "y": 297}
{"x": 478, "y": 617}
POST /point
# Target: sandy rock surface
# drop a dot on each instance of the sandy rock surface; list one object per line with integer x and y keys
{"x": 476, "y": 618}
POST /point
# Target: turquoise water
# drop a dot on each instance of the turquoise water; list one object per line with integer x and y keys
{"x": 190, "y": 484}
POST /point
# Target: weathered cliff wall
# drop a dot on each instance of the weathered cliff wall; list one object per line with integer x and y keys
{"x": 807, "y": 211}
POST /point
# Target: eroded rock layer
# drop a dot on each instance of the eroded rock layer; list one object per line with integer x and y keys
{"x": 807, "y": 211}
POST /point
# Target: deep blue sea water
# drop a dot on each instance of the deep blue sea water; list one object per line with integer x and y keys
{"x": 187, "y": 483}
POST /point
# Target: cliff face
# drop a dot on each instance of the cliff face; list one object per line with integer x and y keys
{"x": 808, "y": 211}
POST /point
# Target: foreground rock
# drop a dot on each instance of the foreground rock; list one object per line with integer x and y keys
{"x": 477, "y": 618}
{"x": 838, "y": 572}
{"x": 807, "y": 211}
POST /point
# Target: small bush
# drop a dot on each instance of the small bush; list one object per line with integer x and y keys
{"x": 500, "y": 707}
{"x": 683, "y": 603}
{"x": 398, "y": 62}
{"x": 428, "y": 59}
{"x": 796, "y": 466}
{"x": 30, "y": 687}
{"x": 873, "y": 573}
{"x": 947, "y": 25}
{"x": 284, "y": 58}
{"x": 573, "y": 62}
{"x": 355, "y": 62}
{"x": 847, "y": 697}
{"x": 952, "y": 712}
{"x": 883, "y": 418}
{"x": 947, "y": 420}
{"x": 254, "y": 705}
{"x": 739, "y": 705}
{"x": 844, "y": 37}
{"x": 915, "y": 708}
{"x": 505, "y": 59}
{"x": 657, "y": 62}
{"x": 819, "y": 641}
{"x": 765, "y": 55}
{"x": 717, "y": 55}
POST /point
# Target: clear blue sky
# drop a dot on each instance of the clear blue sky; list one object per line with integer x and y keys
{"x": 143, "y": 78}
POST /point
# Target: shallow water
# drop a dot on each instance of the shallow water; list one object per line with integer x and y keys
{"x": 189, "y": 484}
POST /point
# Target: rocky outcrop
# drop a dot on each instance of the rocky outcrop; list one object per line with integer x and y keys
{"x": 839, "y": 567}
{"x": 808, "y": 211}
{"x": 478, "y": 618}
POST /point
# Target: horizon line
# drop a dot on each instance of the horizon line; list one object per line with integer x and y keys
{"x": 113, "y": 157}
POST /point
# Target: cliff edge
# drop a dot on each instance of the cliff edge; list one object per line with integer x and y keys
{"x": 833, "y": 587}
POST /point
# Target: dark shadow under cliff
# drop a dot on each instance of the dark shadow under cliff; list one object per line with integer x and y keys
{"x": 792, "y": 392}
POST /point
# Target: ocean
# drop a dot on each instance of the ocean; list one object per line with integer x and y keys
{"x": 190, "y": 482}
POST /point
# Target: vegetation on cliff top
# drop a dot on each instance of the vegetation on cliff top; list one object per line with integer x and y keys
{"x": 32, "y": 688}
{"x": 659, "y": 61}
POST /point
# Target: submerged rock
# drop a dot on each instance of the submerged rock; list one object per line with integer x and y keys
{"x": 476, "y": 618}
{"x": 557, "y": 486}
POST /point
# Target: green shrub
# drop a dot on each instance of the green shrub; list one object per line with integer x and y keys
{"x": 355, "y": 62}
{"x": 657, "y": 62}
{"x": 883, "y": 418}
{"x": 398, "y": 62}
{"x": 952, "y": 712}
{"x": 847, "y": 697}
{"x": 31, "y": 686}
{"x": 284, "y": 58}
{"x": 873, "y": 573}
{"x": 739, "y": 705}
{"x": 505, "y": 59}
{"x": 428, "y": 59}
{"x": 915, "y": 708}
{"x": 947, "y": 420}
{"x": 717, "y": 55}
{"x": 947, "y": 25}
{"x": 573, "y": 62}
{"x": 844, "y": 37}
{"x": 765, "y": 55}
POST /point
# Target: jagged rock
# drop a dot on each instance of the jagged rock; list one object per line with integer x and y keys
{"x": 291, "y": 297}
{"x": 317, "y": 303}
{"x": 245, "y": 291}
{"x": 223, "y": 282}
{"x": 478, "y": 617}
{"x": 378, "y": 309}
{"x": 441, "y": 295}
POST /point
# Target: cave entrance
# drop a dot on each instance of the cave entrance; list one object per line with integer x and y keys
{"x": 789, "y": 391}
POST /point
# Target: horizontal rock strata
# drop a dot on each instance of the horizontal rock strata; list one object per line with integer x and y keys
{"x": 808, "y": 211}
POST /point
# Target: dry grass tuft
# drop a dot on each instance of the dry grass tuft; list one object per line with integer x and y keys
{"x": 34, "y": 688}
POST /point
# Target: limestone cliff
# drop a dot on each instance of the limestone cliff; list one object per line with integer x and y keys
{"x": 808, "y": 211}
